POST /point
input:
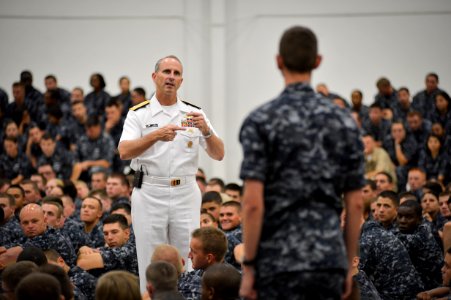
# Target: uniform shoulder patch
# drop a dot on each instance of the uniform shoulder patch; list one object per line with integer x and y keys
{"x": 140, "y": 105}
{"x": 187, "y": 103}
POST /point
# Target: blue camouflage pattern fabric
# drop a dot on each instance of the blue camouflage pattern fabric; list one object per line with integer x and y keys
{"x": 424, "y": 102}
{"x": 11, "y": 233}
{"x": 386, "y": 261}
{"x": 53, "y": 239}
{"x": 234, "y": 238}
{"x": 99, "y": 149}
{"x": 61, "y": 162}
{"x": 434, "y": 167}
{"x": 12, "y": 167}
{"x": 74, "y": 232}
{"x": 78, "y": 294}
{"x": 95, "y": 238}
{"x": 84, "y": 281}
{"x": 120, "y": 258}
{"x": 190, "y": 284}
{"x": 95, "y": 102}
{"x": 425, "y": 254}
{"x": 307, "y": 151}
{"x": 367, "y": 289}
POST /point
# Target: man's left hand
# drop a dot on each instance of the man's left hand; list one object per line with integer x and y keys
{"x": 199, "y": 122}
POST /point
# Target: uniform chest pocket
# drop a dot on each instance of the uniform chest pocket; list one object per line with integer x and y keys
{"x": 187, "y": 141}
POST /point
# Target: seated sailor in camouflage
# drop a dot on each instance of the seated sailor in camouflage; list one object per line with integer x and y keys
{"x": 38, "y": 235}
{"x": 425, "y": 253}
{"x": 10, "y": 231}
{"x": 208, "y": 246}
{"x": 90, "y": 214}
{"x": 82, "y": 280}
{"x": 387, "y": 263}
{"x": 54, "y": 218}
{"x": 119, "y": 254}
{"x": 230, "y": 220}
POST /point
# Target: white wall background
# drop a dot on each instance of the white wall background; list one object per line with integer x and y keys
{"x": 227, "y": 46}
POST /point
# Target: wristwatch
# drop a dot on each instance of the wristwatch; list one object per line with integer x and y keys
{"x": 209, "y": 134}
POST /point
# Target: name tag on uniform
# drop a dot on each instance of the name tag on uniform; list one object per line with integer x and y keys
{"x": 151, "y": 125}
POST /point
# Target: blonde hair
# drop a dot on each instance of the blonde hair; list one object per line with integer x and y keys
{"x": 118, "y": 285}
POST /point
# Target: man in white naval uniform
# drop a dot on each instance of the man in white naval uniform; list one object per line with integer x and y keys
{"x": 162, "y": 137}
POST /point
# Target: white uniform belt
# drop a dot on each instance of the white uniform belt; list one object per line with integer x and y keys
{"x": 168, "y": 181}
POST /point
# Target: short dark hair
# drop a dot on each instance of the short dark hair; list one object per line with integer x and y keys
{"x": 298, "y": 49}
{"x": 388, "y": 175}
{"x": 232, "y": 203}
{"x": 405, "y": 89}
{"x": 33, "y": 254}
{"x": 234, "y": 187}
{"x": 415, "y": 205}
{"x": 431, "y": 74}
{"x": 376, "y": 105}
{"x": 383, "y": 81}
{"x": 122, "y": 205}
{"x": 116, "y": 218}
{"x": 14, "y": 273}
{"x": 224, "y": 279}
{"x": 162, "y": 275}
{"x": 11, "y": 199}
{"x": 140, "y": 91}
{"x": 92, "y": 120}
{"x": 50, "y": 76}
{"x": 390, "y": 195}
{"x": 408, "y": 195}
{"x": 212, "y": 196}
{"x": 114, "y": 102}
{"x": 39, "y": 286}
{"x": 59, "y": 274}
{"x": 371, "y": 183}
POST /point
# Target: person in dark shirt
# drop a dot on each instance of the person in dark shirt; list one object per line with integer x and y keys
{"x": 404, "y": 105}
{"x": 423, "y": 101}
{"x": 402, "y": 149}
{"x": 375, "y": 125}
{"x": 125, "y": 97}
{"x": 301, "y": 154}
{"x": 113, "y": 124}
{"x": 442, "y": 112}
{"x": 434, "y": 160}
{"x": 95, "y": 151}
{"x": 96, "y": 100}
{"x": 57, "y": 156}
{"x": 18, "y": 110}
{"x": 14, "y": 165}
{"x": 384, "y": 258}
{"x": 417, "y": 237}
{"x": 387, "y": 97}
{"x": 358, "y": 106}
{"x": 34, "y": 99}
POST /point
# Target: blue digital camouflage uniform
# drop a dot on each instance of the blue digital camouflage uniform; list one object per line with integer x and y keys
{"x": 434, "y": 167}
{"x": 95, "y": 102}
{"x": 78, "y": 294}
{"x": 425, "y": 254}
{"x": 409, "y": 148}
{"x": 95, "y": 238}
{"x": 84, "y": 281}
{"x": 11, "y": 233}
{"x": 307, "y": 152}
{"x": 101, "y": 148}
{"x": 53, "y": 239}
{"x": 120, "y": 258}
{"x": 190, "y": 284}
{"x": 386, "y": 261}
{"x": 12, "y": 167}
{"x": 378, "y": 131}
{"x": 367, "y": 289}
{"x": 234, "y": 238}
{"x": 424, "y": 102}
{"x": 74, "y": 232}
{"x": 61, "y": 162}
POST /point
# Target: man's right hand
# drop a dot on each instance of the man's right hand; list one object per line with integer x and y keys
{"x": 168, "y": 132}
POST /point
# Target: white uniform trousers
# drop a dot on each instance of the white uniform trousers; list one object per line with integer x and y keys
{"x": 164, "y": 214}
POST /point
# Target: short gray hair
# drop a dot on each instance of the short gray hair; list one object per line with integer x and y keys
{"x": 157, "y": 65}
